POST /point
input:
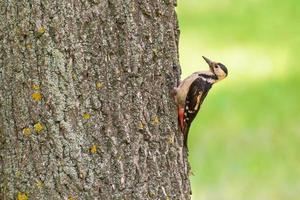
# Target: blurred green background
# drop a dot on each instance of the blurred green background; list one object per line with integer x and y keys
{"x": 245, "y": 142}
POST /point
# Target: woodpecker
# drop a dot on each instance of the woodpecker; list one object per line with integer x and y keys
{"x": 191, "y": 92}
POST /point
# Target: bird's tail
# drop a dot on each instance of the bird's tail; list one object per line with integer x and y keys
{"x": 185, "y": 135}
{"x": 184, "y": 127}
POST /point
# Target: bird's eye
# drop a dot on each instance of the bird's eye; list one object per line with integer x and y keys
{"x": 216, "y": 66}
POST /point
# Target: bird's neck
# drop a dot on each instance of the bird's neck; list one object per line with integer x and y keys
{"x": 208, "y": 76}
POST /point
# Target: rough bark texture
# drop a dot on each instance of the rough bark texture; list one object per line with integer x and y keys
{"x": 85, "y": 106}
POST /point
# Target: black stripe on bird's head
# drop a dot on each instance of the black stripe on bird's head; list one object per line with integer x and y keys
{"x": 223, "y": 68}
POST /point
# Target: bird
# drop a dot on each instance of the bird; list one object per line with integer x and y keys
{"x": 191, "y": 92}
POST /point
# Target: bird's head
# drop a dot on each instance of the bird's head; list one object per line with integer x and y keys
{"x": 217, "y": 68}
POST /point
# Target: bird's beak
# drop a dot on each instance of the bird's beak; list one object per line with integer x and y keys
{"x": 209, "y": 62}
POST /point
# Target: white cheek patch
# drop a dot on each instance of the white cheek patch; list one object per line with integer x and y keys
{"x": 220, "y": 72}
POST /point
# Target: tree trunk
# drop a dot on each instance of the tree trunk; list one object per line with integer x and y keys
{"x": 85, "y": 105}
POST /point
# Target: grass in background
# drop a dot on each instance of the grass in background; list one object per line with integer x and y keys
{"x": 245, "y": 142}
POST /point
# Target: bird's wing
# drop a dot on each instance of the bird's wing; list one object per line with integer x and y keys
{"x": 196, "y": 95}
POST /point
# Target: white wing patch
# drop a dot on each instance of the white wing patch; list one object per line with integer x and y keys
{"x": 209, "y": 80}
{"x": 198, "y": 101}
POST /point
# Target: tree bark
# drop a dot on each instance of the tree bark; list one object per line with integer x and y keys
{"x": 85, "y": 105}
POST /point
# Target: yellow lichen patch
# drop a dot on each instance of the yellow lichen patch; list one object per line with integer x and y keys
{"x": 70, "y": 198}
{"x": 93, "y": 149}
{"x": 141, "y": 125}
{"x": 155, "y": 120}
{"x": 35, "y": 86}
{"x": 37, "y": 96}
{"x": 26, "y": 131}
{"x": 22, "y": 196}
{"x": 171, "y": 139}
{"x": 41, "y": 30}
{"x": 29, "y": 46}
{"x": 38, "y": 127}
{"x": 39, "y": 184}
{"x": 119, "y": 158}
{"x": 86, "y": 116}
{"x": 99, "y": 85}
{"x": 18, "y": 174}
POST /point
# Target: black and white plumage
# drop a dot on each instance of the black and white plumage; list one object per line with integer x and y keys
{"x": 191, "y": 92}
